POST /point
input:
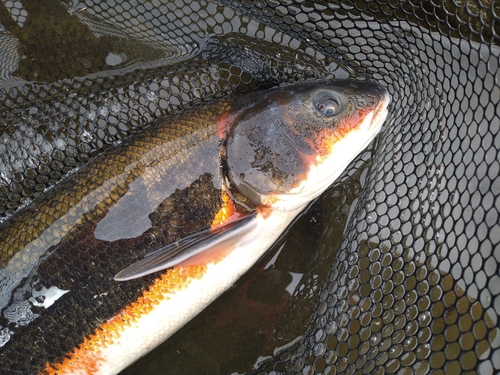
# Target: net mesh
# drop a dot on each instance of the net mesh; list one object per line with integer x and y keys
{"x": 415, "y": 285}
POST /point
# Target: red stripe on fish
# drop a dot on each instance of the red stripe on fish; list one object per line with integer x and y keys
{"x": 86, "y": 357}
{"x": 224, "y": 124}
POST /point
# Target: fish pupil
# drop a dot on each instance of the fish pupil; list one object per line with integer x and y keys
{"x": 328, "y": 108}
{"x": 326, "y": 105}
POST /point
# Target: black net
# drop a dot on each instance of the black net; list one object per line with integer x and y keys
{"x": 413, "y": 284}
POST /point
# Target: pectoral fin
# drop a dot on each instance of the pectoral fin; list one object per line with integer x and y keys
{"x": 198, "y": 248}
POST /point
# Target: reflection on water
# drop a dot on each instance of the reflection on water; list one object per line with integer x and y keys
{"x": 51, "y": 42}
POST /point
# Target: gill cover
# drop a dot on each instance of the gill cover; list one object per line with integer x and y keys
{"x": 282, "y": 151}
{"x": 273, "y": 146}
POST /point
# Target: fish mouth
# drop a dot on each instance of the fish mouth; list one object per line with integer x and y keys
{"x": 381, "y": 112}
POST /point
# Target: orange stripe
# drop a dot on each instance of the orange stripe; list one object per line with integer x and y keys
{"x": 326, "y": 139}
{"x": 87, "y": 357}
{"x": 226, "y": 213}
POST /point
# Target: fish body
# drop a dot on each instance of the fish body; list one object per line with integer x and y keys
{"x": 113, "y": 260}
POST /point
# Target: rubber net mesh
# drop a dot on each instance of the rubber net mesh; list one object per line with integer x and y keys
{"x": 414, "y": 286}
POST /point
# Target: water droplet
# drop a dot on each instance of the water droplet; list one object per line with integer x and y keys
{"x": 5, "y": 334}
{"x": 86, "y": 136}
{"x": 91, "y": 115}
{"x": 114, "y": 59}
{"x": 424, "y": 318}
{"x": 103, "y": 111}
{"x": 391, "y": 199}
{"x": 374, "y": 339}
{"x": 439, "y": 170}
{"x": 319, "y": 349}
{"x": 115, "y": 107}
{"x": 151, "y": 96}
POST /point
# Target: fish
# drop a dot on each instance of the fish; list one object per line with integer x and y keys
{"x": 114, "y": 259}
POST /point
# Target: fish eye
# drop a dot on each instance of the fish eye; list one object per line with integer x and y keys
{"x": 326, "y": 103}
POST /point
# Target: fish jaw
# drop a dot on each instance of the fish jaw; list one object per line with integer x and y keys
{"x": 174, "y": 298}
{"x": 296, "y": 140}
{"x": 323, "y": 171}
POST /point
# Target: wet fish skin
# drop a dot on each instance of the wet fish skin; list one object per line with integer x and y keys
{"x": 54, "y": 237}
{"x": 30, "y": 222}
{"x": 156, "y": 188}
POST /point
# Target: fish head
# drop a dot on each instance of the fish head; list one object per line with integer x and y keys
{"x": 286, "y": 148}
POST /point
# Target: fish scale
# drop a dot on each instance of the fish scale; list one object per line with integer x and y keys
{"x": 87, "y": 181}
{"x": 164, "y": 201}
{"x": 88, "y": 191}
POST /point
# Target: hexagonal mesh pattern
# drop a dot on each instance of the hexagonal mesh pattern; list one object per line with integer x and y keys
{"x": 415, "y": 285}
{"x": 130, "y": 76}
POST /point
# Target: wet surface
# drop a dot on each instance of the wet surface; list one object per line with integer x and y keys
{"x": 68, "y": 121}
{"x": 269, "y": 307}
{"x": 414, "y": 284}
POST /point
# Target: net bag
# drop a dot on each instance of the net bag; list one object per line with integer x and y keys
{"x": 414, "y": 287}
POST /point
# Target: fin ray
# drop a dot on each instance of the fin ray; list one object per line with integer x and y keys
{"x": 188, "y": 249}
